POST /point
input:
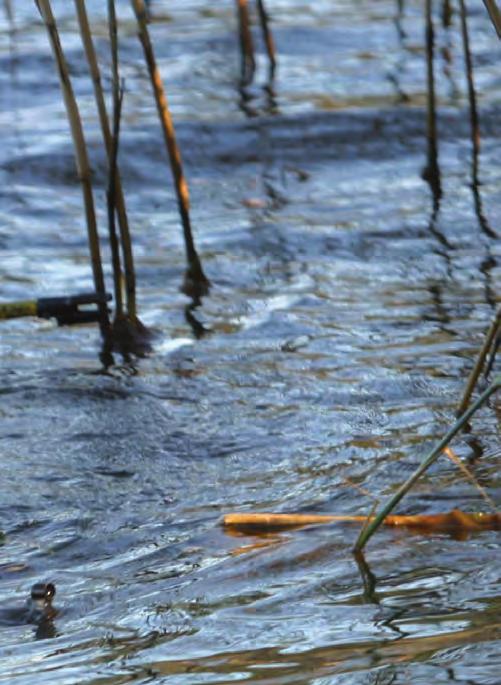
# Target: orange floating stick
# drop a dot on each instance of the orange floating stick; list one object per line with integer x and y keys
{"x": 454, "y": 520}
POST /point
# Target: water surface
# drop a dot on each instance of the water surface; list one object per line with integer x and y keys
{"x": 343, "y": 320}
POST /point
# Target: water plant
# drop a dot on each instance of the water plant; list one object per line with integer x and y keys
{"x": 82, "y": 160}
{"x": 125, "y": 237}
{"x": 195, "y": 283}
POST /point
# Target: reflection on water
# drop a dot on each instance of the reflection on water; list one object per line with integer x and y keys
{"x": 332, "y": 350}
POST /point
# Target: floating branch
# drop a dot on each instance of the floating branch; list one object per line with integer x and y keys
{"x": 453, "y": 521}
{"x": 195, "y": 283}
{"x": 426, "y": 463}
{"x": 8, "y": 10}
{"x": 82, "y": 159}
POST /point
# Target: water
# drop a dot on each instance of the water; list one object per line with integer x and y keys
{"x": 343, "y": 321}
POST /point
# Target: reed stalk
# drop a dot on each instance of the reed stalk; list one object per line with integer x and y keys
{"x": 268, "y": 36}
{"x": 247, "y": 58}
{"x": 495, "y": 15}
{"x": 123, "y": 223}
{"x": 195, "y": 284}
{"x": 112, "y": 171}
{"x": 431, "y": 172}
{"x": 82, "y": 160}
{"x": 472, "y": 96}
{"x": 492, "y": 333}
{"x": 428, "y": 460}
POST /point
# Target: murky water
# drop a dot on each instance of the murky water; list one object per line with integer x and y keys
{"x": 343, "y": 320}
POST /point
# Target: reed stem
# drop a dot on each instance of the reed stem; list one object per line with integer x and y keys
{"x": 472, "y": 96}
{"x": 82, "y": 160}
{"x": 123, "y": 223}
{"x": 495, "y": 15}
{"x": 268, "y": 36}
{"x": 195, "y": 283}
{"x": 112, "y": 171}
{"x": 479, "y": 364}
{"x": 432, "y": 172}
{"x": 247, "y": 58}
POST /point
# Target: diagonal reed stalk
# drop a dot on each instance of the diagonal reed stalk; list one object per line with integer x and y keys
{"x": 82, "y": 159}
{"x": 125, "y": 238}
{"x": 428, "y": 460}
{"x": 196, "y": 284}
{"x": 489, "y": 341}
{"x": 495, "y": 15}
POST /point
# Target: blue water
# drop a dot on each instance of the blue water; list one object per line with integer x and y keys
{"x": 343, "y": 320}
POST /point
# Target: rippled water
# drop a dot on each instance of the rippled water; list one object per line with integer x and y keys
{"x": 343, "y": 320}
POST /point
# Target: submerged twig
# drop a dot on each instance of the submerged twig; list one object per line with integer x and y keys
{"x": 82, "y": 159}
{"x": 8, "y": 10}
{"x": 429, "y": 459}
{"x": 196, "y": 284}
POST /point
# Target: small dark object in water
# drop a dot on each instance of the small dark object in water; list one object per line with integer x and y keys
{"x": 38, "y": 610}
{"x": 40, "y": 603}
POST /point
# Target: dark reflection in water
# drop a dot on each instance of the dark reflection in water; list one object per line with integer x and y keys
{"x": 344, "y": 316}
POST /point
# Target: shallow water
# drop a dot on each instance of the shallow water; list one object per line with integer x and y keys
{"x": 343, "y": 320}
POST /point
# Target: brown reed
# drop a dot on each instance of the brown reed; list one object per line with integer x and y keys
{"x": 248, "y": 60}
{"x": 82, "y": 160}
{"x": 125, "y": 237}
{"x": 195, "y": 283}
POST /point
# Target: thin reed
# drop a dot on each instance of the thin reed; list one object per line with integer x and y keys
{"x": 82, "y": 159}
{"x": 195, "y": 284}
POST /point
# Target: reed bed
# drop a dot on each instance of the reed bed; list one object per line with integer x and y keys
{"x": 125, "y": 236}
